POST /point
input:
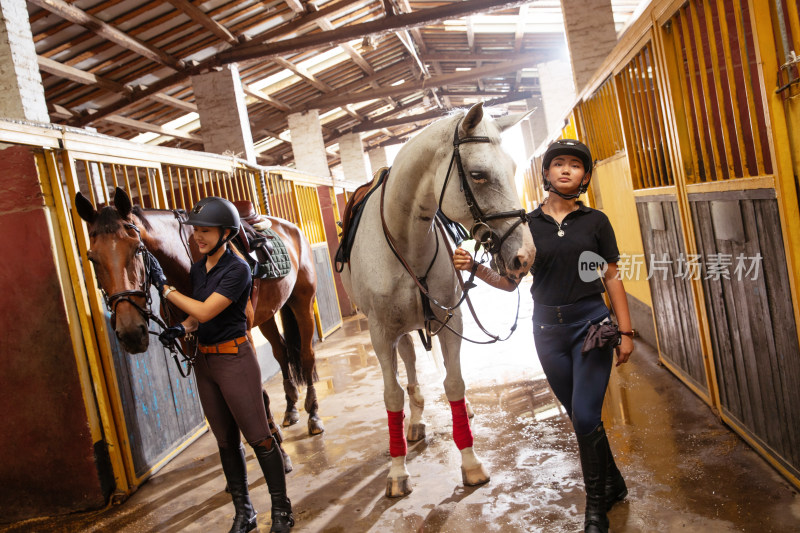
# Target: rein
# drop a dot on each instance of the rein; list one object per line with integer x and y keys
{"x": 491, "y": 244}
{"x": 113, "y": 300}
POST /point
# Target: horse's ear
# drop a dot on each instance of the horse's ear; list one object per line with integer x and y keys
{"x": 473, "y": 118}
{"x": 85, "y": 208}
{"x": 509, "y": 121}
{"x": 122, "y": 202}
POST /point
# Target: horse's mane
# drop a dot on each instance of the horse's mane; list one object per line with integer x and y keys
{"x": 108, "y": 221}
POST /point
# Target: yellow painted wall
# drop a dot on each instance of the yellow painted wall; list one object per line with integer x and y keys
{"x": 613, "y": 181}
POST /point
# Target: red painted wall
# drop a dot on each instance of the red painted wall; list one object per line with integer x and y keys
{"x": 332, "y": 236}
{"x": 48, "y": 461}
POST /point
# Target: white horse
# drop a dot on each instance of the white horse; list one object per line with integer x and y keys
{"x": 458, "y": 165}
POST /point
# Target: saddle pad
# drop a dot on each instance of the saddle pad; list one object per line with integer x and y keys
{"x": 352, "y": 217}
{"x": 281, "y": 264}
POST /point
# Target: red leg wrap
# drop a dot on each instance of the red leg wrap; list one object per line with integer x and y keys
{"x": 397, "y": 439}
{"x": 462, "y": 434}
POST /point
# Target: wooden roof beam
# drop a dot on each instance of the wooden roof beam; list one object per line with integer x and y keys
{"x": 200, "y": 17}
{"x": 152, "y": 128}
{"x": 108, "y": 32}
{"x": 80, "y": 76}
{"x": 263, "y": 97}
{"x": 340, "y": 98}
{"x": 261, "y": 52}
{"x": 376, "y": 27}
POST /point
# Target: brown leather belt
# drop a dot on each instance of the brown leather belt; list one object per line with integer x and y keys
{"x": 231, "y": 346}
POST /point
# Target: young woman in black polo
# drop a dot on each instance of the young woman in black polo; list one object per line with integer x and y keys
{"x": 228, "y": 374}
{"x": 571, "y": 241}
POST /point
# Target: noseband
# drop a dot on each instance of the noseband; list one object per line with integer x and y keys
{"x": 489, "y": 239}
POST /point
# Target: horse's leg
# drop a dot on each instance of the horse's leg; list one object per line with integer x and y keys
{"x": 270, "y": 330}
{"x": 397, "y": 484}
{"x": 416, "y": 402}
{"x": 302, "y": 306}
{"x": 472, "y": 470}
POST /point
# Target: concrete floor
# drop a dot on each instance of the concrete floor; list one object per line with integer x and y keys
{"x": 685, "y": 470}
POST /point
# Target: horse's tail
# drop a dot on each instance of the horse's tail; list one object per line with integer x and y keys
{"x": 291, "y": 337}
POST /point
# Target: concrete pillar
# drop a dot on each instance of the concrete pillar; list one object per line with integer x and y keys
{"x": 558, "y": 93}
{"x": 224, "y": 123}
{"x": 354, "y": 160}
{"x": 537, "y": 121}
{"x": 591, "y": 36}
{"x": 308, "y": 145}
{"x": 377, "y": 158}
{"x": 20, "y": 80}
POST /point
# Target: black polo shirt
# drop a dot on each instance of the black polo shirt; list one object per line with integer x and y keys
{"x": 231, "y": 278}
{"x": 557, "y": 268}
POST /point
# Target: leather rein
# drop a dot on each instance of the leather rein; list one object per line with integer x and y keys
{"x": 113, "y": 300}
{"x": 490, "y": 241}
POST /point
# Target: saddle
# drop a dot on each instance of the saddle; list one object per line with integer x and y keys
{"x": 261, "y": 247}
{"x": 352, "y": 217}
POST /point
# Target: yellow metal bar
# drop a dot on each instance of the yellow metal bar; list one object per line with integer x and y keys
{"x": 734, "y": 92}
{"x": 114, "y": 175}
{"x": 695, "y": 98}
{"x": 138, "y": 186}
{"x": 726, "y": 147}
{"x": 128, "y": 188}
{"x": 191, "y": 172}
{"x": 172, "y": 188}
{"x": 647, "y": 115}
{"x": 751, "y": 88}
{"x": 627, "y": 130}
{"x": 89, "y": 185}
{"x": 706, "y": 98}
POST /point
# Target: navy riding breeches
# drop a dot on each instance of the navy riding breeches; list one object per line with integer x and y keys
{"x": 578, "y": 380}
{"x": 230, "y": 392}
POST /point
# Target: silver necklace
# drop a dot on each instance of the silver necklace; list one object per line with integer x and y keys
{"x": 560, "y": 232}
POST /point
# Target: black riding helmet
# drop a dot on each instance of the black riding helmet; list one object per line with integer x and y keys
{"x": 567, "y": 147}
{"x": 215, "y": 212}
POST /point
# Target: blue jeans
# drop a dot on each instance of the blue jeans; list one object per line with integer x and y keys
{"x": 578, "y": 380}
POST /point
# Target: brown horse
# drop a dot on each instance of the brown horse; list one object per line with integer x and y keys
{"x": 117, "y": 236}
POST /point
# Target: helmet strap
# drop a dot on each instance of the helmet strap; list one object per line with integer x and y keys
{"x": 222, "y": 240}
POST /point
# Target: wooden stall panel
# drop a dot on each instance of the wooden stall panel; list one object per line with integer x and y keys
{"x": 748, "y": 303}
{"x": 330, "y": 317}
{"x": 671, "y": 271}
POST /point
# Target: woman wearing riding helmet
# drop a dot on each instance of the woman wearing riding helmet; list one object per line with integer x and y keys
{"x": 567, "y": 300}
{"x": 228, "y": 374}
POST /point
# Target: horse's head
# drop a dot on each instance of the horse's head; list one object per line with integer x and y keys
{"x": 478, "y": 190}
{"x": 116, "y": 251}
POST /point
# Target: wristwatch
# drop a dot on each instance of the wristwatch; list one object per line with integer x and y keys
{"x": 168, "y": 289}
{"x": 630, "y": 333}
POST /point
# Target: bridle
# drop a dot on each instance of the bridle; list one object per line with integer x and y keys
{"x": 113, "y": 300}
{"x": 490, "y": 241}
{"x": 488, "y": 238}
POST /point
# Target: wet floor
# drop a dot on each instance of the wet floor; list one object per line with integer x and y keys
{"x": 685, "y": 470}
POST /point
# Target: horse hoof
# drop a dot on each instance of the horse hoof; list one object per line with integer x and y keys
{"x": 416, "y": 432}
{"x": 395, "y": 488}
{"x": 315, "y": 426}
{"x": 291, "y": 418}
{"x": 476, "y": 475}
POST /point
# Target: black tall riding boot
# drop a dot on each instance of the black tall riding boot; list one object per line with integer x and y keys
{"x": 235, "y": 469}
{"x": 272, "y": 465}
{"x": 594, "y": 462}
{"x": 616, "y": 489}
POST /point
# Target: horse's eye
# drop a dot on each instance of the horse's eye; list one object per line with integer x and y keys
{"x": 478, "y": 176}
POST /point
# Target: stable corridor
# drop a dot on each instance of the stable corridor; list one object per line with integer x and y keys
{"x": 685, "y": 470}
